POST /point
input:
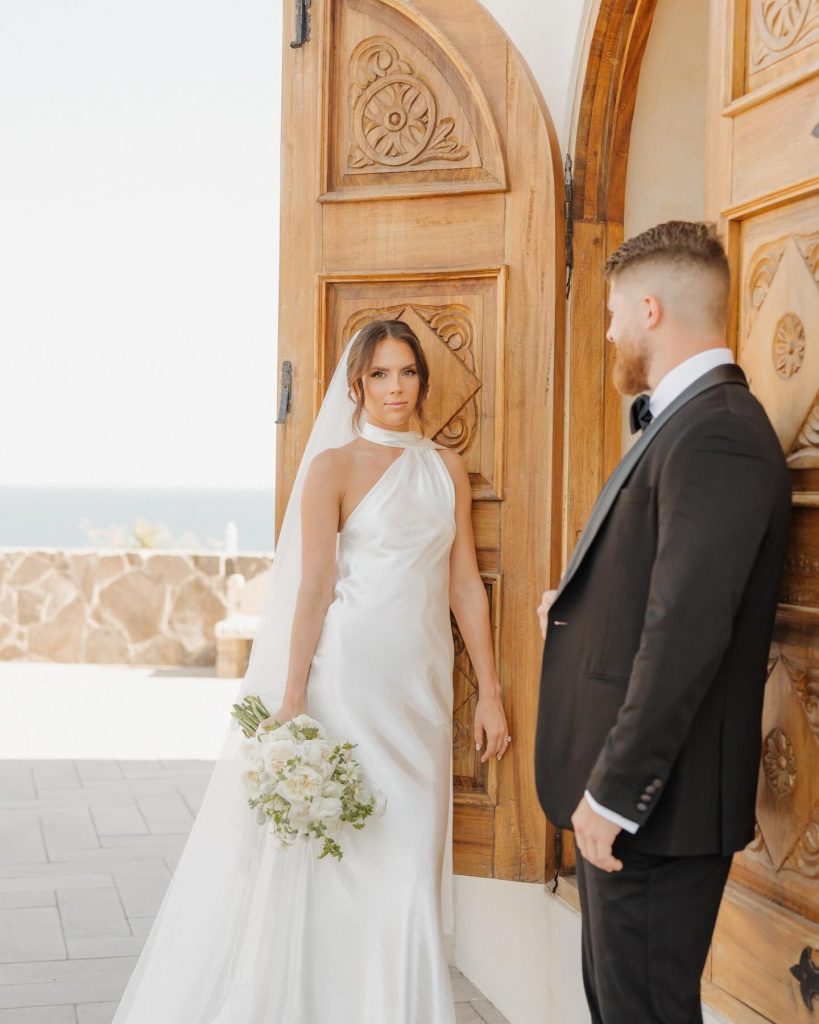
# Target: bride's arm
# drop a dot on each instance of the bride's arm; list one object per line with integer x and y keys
{"x": 320, "y": 504}
{"x": 470, "y": 605}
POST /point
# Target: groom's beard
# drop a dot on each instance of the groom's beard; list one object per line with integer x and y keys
{"x": 630, "y": 373}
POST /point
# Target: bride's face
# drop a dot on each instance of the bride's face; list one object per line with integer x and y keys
{"x": 391, "y": 385}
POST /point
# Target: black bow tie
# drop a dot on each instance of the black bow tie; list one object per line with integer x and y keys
{"x": 640, "y": 413}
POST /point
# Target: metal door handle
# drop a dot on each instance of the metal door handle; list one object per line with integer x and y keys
{"x": 286, "y": 391}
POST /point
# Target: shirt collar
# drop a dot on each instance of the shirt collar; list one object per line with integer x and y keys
{"x": 683, "y": 375}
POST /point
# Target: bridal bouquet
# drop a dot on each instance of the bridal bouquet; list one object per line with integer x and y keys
{"x": 302, "y": 782}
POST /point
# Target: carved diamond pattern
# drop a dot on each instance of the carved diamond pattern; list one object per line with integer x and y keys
{"x": 784, "y": 812}
{"x": 788, "y": 400}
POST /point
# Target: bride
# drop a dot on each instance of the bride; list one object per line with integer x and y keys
{"x": 376, "y": 546}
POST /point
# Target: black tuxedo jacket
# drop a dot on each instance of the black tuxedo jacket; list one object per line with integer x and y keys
{"x": 656, "y": 655}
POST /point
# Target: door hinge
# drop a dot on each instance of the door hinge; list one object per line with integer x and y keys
{"x": 558, "y": 857}
{"x": 302, "y": 23}
{"x": 568, "y": 190}
{"x": 286, "y": 391}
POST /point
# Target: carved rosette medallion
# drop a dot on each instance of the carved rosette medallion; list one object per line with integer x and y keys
{"x": 395, "y": 112}
{"x": 780, "y": 27}
{"x": 789, "y": 345}
{"x": 779, "y": 763}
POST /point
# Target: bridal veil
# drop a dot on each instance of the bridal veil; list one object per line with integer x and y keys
{"x": 190, "y": 958}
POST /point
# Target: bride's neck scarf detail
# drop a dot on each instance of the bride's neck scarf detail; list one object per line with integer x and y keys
{"x": 393, "y": 438}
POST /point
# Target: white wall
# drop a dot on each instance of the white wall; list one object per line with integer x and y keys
{"x": 666, "y": 164}
{"x": 548, "y": 34}
{"x": 521, "y": 946}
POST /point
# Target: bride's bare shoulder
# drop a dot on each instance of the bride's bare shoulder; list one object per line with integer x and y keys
{"x": 455, "y": 464}
{"x": 332, "y": 463}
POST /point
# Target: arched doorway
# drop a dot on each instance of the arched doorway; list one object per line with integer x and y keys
{"x": 761, "y": 188}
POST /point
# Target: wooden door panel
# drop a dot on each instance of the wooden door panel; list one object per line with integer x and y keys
{"x": 763, "y": 182}
{"x": 754, "y": 950}
{"x": 773, "y": 136}
{"x": 404, "y": 114}
{"x": 432, "y": 234}
{"x": 414, "y": 130}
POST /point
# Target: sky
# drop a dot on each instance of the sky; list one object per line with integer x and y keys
{"x": 139, "y": 195}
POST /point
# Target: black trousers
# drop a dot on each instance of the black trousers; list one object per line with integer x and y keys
{"x": 646, "y": 931}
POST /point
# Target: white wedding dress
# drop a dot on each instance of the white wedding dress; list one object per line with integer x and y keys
{"x": 360, "y": 940}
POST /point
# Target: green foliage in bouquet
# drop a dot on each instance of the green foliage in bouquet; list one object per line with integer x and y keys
{"x": 249, "y": 713}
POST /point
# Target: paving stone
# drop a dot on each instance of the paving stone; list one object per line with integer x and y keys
{"x": 56, "y": 775}
{"x": 30, "y": 933}
{"x": 465, "y": 1013}
{"x": 33, "y": 883}
{"x": 16, "y": 781}
{"x": 104, "y": 858}
{"x": 41, "y": 898}
{"x": 487, "y": 1012}
{"x": 143, "y": 887}
{"x": 92, "y": 914}
{"x": 115, "y": 947}
{"x": 88, "y": 770}
{"x": 69, "y": 828}
{"x": 140, "y": 926}
{"x": 39, "y": 1015}
{"x": 95, "y": 1013}
{"x": 463, "y": 989}
{"x": 88, "y": 990}
{"x": 21, "y": 840}
{"x": 50, "y": 971}
{"x": 119, "y": 819}
{"x": 165, "y": 811}
{"x": 193, "y": 791}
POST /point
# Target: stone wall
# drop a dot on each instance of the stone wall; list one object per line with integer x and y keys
{"x": 133, "y": 607}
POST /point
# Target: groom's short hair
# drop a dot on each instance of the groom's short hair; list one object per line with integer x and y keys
{"x": 688, "y": 249}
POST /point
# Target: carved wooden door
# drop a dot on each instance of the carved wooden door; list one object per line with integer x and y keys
{"x": 418, "y": 182}
{"x": 763, "y": 180}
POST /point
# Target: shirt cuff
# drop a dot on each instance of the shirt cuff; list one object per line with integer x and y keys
{"x": 618, "y": 819}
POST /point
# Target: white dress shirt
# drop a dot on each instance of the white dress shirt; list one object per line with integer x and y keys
{"x": 669, "y": 388}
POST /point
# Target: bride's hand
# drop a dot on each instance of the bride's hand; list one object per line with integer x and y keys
{"x": 490, "y": 724}
{"x": 284, "y": 714}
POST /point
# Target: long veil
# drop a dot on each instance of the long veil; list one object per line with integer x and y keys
{"x": 191, "y": 958}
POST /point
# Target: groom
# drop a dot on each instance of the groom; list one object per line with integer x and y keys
{"x": 648, "y": 733}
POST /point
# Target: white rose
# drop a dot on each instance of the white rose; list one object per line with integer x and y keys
{"x": 302, "y": 783}
{"x": 326, "y": 807}
{"x": 332, "y": 789}
{"x": 317, "y": 754}
{"x": 277, "y": 753}
{"x": 301, "y": 814}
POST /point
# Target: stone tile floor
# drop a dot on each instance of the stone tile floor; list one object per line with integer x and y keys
{"x": 87, "y": 848}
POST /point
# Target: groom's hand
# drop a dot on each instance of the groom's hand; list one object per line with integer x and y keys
{"x": 594, "y": 835}
{"x": 543, "y": 609}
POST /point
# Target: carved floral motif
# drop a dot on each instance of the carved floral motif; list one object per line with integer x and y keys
{"x": 805, "y": 856}
{"x": 780, "y": 27}
{"x": 395, "y": 112}
{"x": 789, "y": 345}
{"x": 779, "y": 763}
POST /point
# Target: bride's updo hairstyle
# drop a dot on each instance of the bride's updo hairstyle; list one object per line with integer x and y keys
{"x": 360, "y": 359}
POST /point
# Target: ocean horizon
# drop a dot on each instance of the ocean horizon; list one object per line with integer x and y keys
{"x": 103, "y": 517}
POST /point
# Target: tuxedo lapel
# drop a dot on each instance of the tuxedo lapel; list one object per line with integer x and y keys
{"x": 726, "y": 374}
